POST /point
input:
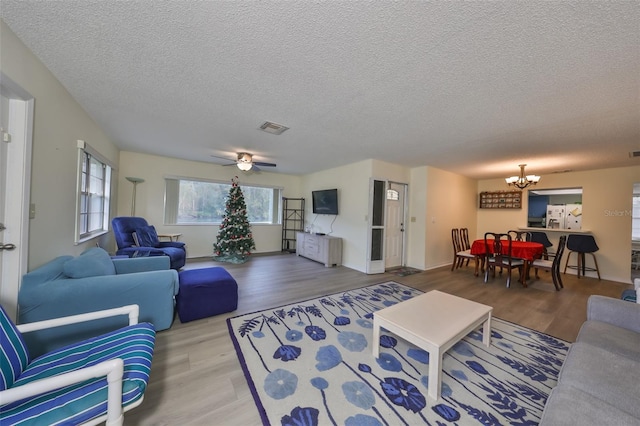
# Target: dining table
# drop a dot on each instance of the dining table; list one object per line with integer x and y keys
{"x": 526, "y": 250}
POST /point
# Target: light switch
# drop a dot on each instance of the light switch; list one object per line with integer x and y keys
{"x": 413, "y": 218}
{"x": 32, "y": 211}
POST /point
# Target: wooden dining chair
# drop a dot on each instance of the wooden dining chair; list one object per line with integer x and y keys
{"x": 498, "y": 255}
{"x": 552, "y": 266}
{"x": 460, "y": 252}
{"x": 519, "y": 235}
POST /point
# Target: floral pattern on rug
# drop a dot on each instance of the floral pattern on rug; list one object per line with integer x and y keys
{"x": 311, "y": 363}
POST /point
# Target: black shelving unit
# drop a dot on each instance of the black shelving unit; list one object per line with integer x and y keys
{"x": 292, "y": 222}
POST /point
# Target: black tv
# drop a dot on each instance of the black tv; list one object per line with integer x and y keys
{"x": 325, "y": 201}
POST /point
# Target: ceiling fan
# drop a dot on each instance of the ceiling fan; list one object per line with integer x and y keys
{"x": 244, "y": 162}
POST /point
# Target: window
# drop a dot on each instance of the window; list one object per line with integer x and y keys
{"x": 189, "y": 201}
{"x": 93, "y": 194}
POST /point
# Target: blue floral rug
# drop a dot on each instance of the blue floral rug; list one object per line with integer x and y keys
{"x": 310, "y": 363}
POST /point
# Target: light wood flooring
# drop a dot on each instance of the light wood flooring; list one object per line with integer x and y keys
{"x": 196, "y": 378}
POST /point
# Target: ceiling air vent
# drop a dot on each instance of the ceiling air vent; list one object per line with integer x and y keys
{"x": 634, "y": 154}
{"x": 273, "y": 128}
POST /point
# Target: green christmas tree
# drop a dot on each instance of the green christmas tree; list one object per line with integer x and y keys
{"x": 235, "y": 242}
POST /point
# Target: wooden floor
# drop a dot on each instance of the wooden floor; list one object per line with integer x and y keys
{"x": 196, "y": 378}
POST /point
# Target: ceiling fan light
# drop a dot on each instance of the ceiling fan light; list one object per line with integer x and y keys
{"x": 245, "y": 157}
{"x": 244, "y": 166}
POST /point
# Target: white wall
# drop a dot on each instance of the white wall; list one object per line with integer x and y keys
{"x": 199, "y": 238}
{"x": 606, "y": 213}
{"x": 59, "y": 123}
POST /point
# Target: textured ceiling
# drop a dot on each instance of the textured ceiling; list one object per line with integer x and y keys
{"x": 475, "y": 88}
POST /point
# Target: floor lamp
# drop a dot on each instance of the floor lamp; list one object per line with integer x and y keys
{"x": 135, "y": 182}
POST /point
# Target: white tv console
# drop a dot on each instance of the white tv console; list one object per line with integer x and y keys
{"x": 321, "y": 248}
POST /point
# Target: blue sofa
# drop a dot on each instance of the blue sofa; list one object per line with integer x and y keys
{"x": 94, "y": 281}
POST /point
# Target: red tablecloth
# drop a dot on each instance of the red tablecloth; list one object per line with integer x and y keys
{"x": 520, "y": 249}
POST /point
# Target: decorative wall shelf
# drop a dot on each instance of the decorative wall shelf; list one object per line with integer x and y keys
{"x": 501, "y": 200}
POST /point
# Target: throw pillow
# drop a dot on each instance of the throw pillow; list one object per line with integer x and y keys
{"x": 91, "y": 263}
{"x": 147, "y": 236}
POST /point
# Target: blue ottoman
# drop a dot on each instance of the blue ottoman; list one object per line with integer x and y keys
{"x": 205, "y": 292}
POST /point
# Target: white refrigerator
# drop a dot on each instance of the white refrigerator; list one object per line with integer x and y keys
{"x": 564, "y": 216}
{"x": 573, "y": 219}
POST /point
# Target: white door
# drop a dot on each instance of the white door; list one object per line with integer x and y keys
{"x": 16, "y": 120}
{"x": 4, "y": 127}
{"x": 394, "y": 224}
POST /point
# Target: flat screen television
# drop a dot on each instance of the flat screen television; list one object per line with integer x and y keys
{"x": 325, "y": 201}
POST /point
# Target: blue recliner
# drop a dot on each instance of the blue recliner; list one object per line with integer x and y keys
{"x": 135, "y": 237}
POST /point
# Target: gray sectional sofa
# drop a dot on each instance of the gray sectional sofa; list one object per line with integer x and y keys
{"x": 599, "y": 382}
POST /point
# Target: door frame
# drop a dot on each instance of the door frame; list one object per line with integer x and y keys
{"x": 18, "y": 178}
{"x": 378, "y": 266}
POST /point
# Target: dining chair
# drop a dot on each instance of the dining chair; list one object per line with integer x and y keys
{"x": 460, "y": 252}
{"x": 541, "y": 237}
{"x": 464, "y": 237}
{"x": 552, "y": 266}
{"x": 519, "y": 235}
{"x": 498, "y": 255}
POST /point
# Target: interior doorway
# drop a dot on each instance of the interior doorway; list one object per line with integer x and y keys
{"x": 16, "y": 120}
{"x": 386, "y": 237}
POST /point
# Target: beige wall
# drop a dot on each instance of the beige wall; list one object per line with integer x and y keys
{"x": 352, "y": 182}
{"x": 606, "y": 213}
{"x": 59, "y": 123}
{"x": 440, "y": 201}
{"x": 199, "y": 238}
{"x": 351, "y": 224}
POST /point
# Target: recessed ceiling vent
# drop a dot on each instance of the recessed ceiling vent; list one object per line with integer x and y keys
{"x": 634, "y": 154}
{"x": 273, "y": 128}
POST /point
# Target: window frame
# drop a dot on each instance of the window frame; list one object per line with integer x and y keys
{"x": 635, "y": 217}
{"x": 172, "y": 210}
{"x": 84, "y": 191}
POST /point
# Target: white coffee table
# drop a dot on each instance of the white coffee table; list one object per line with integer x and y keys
{"x": 434, "y": 321}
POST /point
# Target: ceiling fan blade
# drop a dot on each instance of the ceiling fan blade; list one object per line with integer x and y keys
{"x": 223, "y": 158}
{"x": 260, "y": 163}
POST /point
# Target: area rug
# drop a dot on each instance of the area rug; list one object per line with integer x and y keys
{"x": 310, "y": 363}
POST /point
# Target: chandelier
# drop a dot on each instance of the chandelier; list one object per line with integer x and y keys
{"x": 522, "y": 181}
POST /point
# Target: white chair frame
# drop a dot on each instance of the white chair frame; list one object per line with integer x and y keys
{"x": 112, "y": 369}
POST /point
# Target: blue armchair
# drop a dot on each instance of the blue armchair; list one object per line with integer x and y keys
{"x": 133, "y": 234}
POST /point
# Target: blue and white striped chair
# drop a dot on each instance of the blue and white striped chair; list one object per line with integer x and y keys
{"x": 89, "y": 382}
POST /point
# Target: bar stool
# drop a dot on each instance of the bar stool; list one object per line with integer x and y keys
{"x": 581, "y": 244}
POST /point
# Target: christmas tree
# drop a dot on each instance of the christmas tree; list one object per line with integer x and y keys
{"x": 235, "y": 242}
